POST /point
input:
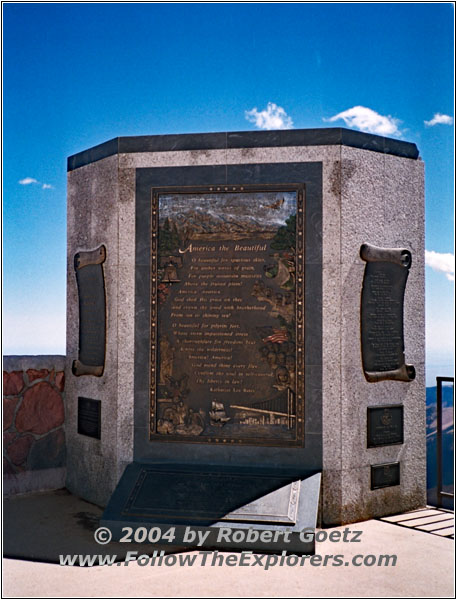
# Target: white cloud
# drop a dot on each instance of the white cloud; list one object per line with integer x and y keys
{"x": 439, "y": 119}
{"x": 272, "y": 117}
{"x": 441, "y": 261}
{"x": 27, "y": 181}
{"x": 366, "y": 119}
{"x": 30, "y": 180}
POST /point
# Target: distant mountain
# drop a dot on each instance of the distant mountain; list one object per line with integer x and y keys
{"x": 447, "y": 443}
{"x": 447, "y": 405}
{"x": 448, "y": 395}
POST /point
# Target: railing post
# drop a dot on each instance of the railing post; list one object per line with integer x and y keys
{"x": 439, "y": 440}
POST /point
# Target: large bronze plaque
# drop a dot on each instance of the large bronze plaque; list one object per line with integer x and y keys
{"x": 384, "y": 282}
{"x": 92, "y": 312}
{"x": 227, "y": 306}
{"x": 384, "y": 425}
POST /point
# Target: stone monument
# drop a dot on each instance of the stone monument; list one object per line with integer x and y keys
{"x": 245, "y": 315}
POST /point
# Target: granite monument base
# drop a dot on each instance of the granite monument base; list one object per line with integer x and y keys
{"x": 294, "y": 366}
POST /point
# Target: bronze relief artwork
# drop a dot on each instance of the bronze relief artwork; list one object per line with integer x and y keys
{"x": 227, "y": 339}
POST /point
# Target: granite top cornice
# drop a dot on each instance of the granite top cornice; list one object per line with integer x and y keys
{"x": 327, "y": 136}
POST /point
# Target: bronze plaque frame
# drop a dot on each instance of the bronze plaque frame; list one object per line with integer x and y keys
{"x": 299, "y": 190}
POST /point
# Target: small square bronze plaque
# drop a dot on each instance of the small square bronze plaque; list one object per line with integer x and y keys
{"x": 385, "y": 475}
{"x": 384, "y": 425}
{"x": 89, "y": 417}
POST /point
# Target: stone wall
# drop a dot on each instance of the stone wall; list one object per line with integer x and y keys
{"x": 34, "y": 452}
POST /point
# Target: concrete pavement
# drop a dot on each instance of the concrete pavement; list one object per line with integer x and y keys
{"x": 424, "y": 568}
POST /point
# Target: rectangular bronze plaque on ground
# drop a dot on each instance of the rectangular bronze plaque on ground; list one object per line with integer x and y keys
{"x": 385, "y": 475}
{"x": 384, "y": 425}
{"x": 384, "y": 282}
{"x": 163, "y": 494}
{"x": 276, "y": 504}
{"x": 227, "y": 314}
{"x": 89, "y": 417}
{"x": 92, "y": 312}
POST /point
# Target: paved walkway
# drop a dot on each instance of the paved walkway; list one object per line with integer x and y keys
{"x": 433, "y": 520}
{"x": 40, "y": 527}
{"x": 425, "y": 565}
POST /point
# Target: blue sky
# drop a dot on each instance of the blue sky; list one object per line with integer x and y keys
{"x": 76, "y": 75}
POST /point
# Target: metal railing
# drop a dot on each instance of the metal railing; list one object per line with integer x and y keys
{"x": 440, "y": 494}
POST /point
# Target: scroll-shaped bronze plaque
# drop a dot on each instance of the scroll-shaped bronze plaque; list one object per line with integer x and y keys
{"x": 385, "y": 475}
{"x": 384, "y": 282}
{"x": 227, "y": 316}
{"x": 92, "y": 312}
{"x": 384, "y": 425}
